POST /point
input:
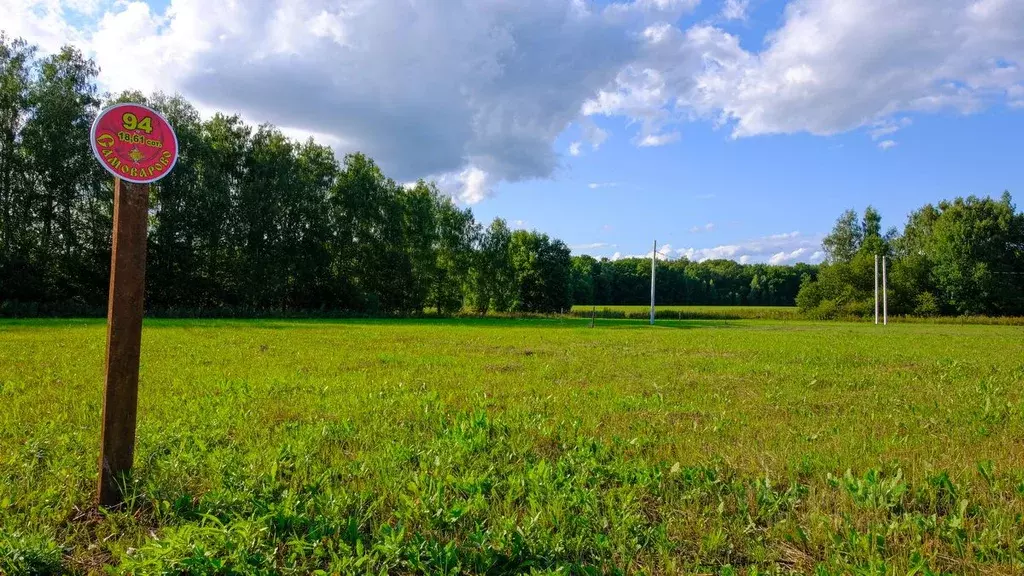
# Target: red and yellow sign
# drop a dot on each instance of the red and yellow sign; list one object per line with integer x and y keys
{"x": 134, "y": 143}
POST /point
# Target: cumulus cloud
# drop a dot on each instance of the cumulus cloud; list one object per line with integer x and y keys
{"x": 47, "y": 23}
{"x": 474, "y": 93}
{"x": 787, "y": 257}
{"x": 735, "y": 9}
{"x": 468, "y": 92}
{"x": 832, "y": 66}
{"x": 596, "y": 185}
{"x": 784, "y": 248}
{"x": 665, "y": 252}
{"x": 574, "y": 148}
{"x": 1016, "y": 95}
{"x": 705, "y": 228}
{"x": 887, "y": 144}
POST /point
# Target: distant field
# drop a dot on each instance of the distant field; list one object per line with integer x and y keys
{"x": 692, "y": 312}
{"x": 516, "y": 446}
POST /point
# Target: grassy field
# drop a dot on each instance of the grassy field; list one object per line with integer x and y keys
{"x": 691, "y": 312}
{"x": 519, "y": 446}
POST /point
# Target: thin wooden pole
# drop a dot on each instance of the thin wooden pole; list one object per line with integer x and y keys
{"x": 876, "y": 288}
{"x": 124, "y": 338}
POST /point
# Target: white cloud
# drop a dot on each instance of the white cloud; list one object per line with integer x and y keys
{"x": 591, "y": 246}
{"x": 596, "y": 185}
{"x": 475, "y": 93}
{"x": 44, "y": 23}
{"x": 887, "y": 144}
{"x": 659, "y": 139}
{"x": 832, "y": 66}
{"x": 705, "y": 228}
{"x": 1016, "y": 95}
{"x": 574, "y": 148}
{"x": 470, "y": 186}
{"x": 664, "y": 253}
{"x": 787, "y": 257}
{"x": 787, "y": 247}
{"x": 735, "y": 9}
{"x": 887, "y": 127}
{"x": 520, "y": 225}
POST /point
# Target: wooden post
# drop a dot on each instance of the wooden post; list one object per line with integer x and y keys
{"x": 124, "y": 338}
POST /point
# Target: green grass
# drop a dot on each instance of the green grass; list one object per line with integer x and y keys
{"x": 517, "y": 446}
{"x": 691, "y": 312}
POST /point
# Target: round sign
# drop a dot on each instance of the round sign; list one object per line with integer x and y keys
{"x": 134, "y": 143}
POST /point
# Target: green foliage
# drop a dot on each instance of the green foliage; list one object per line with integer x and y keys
{"x": 518, "y": 446}
{"x": 248, "y": 220}
{"x": 963, "y": 257}
{"x": 974, "y": 249}
{"x": 29, "y": 554}
{"x": 926, "y": 304}
{"x": 846, "y": 237}
{"x": 689, "y": 312}
{"x": 541, "y": 269}
{"x": 714, "y": 282}
{"x": 810, "y": 295}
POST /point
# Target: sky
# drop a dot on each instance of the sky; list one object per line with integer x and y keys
{"x": 719, "y": 128}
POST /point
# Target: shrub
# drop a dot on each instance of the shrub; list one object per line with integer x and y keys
{"x": 926, "y": 304}
{"x": 809, "y": 296}
{"x": 826, "y": 310}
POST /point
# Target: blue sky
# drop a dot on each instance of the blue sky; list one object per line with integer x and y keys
{"x": 757, "y": 187}
{"x": 722, "y": 128}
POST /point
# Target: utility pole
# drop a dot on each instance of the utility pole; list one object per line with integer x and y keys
{"x": 885, "y": 293}
{"x": 654, "y": 260}
{"x": 876, "y": 288}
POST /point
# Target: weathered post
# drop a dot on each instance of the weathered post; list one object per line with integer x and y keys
{"x": 138, "y": 146}
{"x": 124, "y": 337}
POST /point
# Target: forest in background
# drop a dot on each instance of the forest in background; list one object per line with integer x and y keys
{"x": 956, "y": 258}
{"x": 251, "y": 222}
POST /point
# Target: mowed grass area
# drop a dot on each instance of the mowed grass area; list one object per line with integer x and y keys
{"x": 518, "y": 446}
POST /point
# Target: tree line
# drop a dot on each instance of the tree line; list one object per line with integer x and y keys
{"x": 960, "y": 257}
{"x": 250, "y": 221}
{"x": 711, "y": 282}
